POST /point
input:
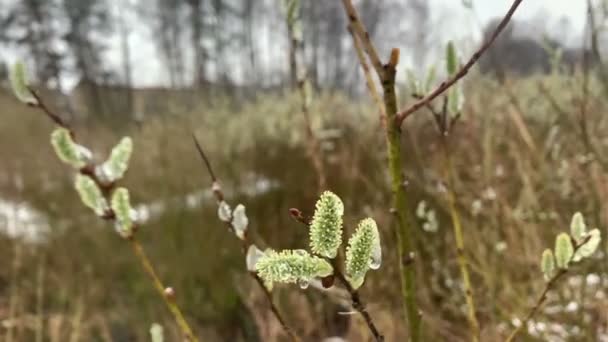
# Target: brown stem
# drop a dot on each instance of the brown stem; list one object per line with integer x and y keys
{"x": 445, "y": 85}
{"x": 369, "y": 80}
{"x": 219, "y": 195}
{"x": 358, "y": 303}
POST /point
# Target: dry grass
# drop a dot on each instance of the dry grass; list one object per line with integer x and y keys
{"x": 516, "y": 151}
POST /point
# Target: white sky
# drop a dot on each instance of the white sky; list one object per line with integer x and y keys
{"x": 454, "y": 20}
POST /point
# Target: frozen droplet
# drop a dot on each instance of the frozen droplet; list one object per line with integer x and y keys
{"x": 376, "y": 259}
{"x": 240, "y": 221}
{"x": 224, "y": 212}
{"x": 253, "y": 255}
{"x": 303, "y": 283}
{"x": 300, "y": 252}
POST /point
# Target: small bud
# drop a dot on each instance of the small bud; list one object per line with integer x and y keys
{"x": 169, "y": 293}
{"x": 590, "y": 246}
{"x": 117, "y": 164}
{"x": 90, "y": 194}
{"x": 240, "y": 221}
{"x": 547, "y": 264}
{"x": 224, "y": 212}
{"x": 577, "y": 227}
{"x": 19, "y": 83}
{"x": 363, "y": 252}
{"x": 68, "y": 151}
{"x": 156, "y": 333}
{"x": 563, "y": 250}
{"x": 451, "y": 60}
{"x": 291, "y": 267}
{"x": 124, "y": 213}
{"x": 326, "y": 225}
{"x": 253, "y": 255}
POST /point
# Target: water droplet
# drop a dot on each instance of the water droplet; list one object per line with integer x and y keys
{"x": 376, "y": 259}
{"x": 303, "y": 283}
{"x": 300, "y": 252}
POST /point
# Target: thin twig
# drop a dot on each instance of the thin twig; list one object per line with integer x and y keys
{"x": 543, "y": 296}
{"x": 356, "y": 300}
{"x": 302, "y": 82}
{"x": 357, "y": 25}
{"x": 166, "y": 293}
{"x": 219, "y": 195}
{"x": 110, "y": 216}
{"x": 369, "y": 80}
{"x": 445, "y": 85}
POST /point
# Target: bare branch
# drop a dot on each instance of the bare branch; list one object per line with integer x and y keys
{"x": 445, "y": 85}
{"x": 358, "y": 28}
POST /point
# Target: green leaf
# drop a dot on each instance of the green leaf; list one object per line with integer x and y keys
{"x": 117, "y": 164}
{"x": 590, "y": 246}
{"x": 363, "y": 251}
{"x": 19, "y": 83}
{"x": 67, "y": 150}
{"x": 90, "y": 194}
{"x": 563, "y": 250}
{"x": 121, "y": 206}
{"x": 291, "y": 266}
{"x": 451, "y": 59}
{"x": 547, "y": 264}
{"x": 326, "y": 225}
{"x": 578, "y": 228}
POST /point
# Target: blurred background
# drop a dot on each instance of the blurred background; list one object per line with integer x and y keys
{"x": 529, "y": 151}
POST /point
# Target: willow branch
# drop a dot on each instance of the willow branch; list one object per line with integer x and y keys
{"x": 543, "y": 295}
{"x": 168, "y": 297}
{"x": 445, "y": 85}
{"x": 356, "y": 301}
{"x": 404, "y": 231}
{"x": 219, "y": 196}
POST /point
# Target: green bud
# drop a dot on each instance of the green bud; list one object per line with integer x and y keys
{"x": 117, "y": 164}
{"x": 430, "y": 78}
{"x": 563, "y": 250}
{"x": 547, "y": 264}
{"x": 451, "y": 60}
{"x": 590, "y": 246}
{"x": 67, "y": 150}
{"x": 90, "y": 194}
{"x": 121, "y": 206}
{"x": 326, "y": 225}
{"x": 19, "y": 83}
{"x": 362, "y": 251}
{"x": 578, "y": 228}
{"x": 291, "y": 267}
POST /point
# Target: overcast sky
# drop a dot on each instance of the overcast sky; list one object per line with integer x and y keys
{"x": 456, "y": 22}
